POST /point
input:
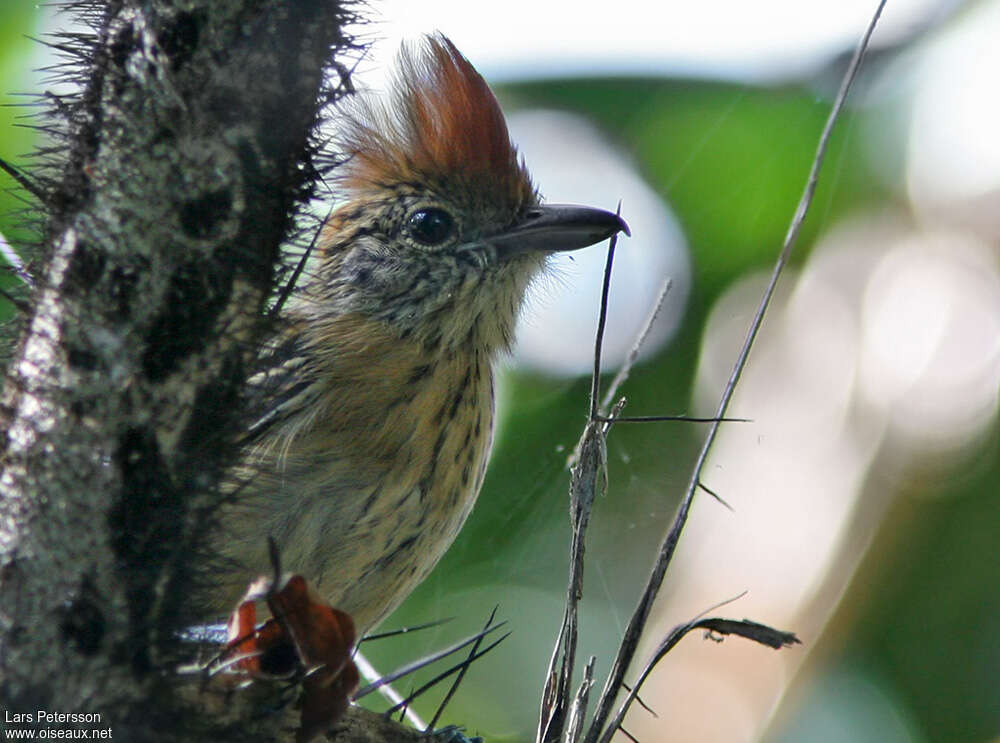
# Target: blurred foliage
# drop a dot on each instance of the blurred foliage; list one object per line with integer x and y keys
{"x": 731, "y": 161}
{"x": 17, "y": 21}
{"x": 923, "y": 613}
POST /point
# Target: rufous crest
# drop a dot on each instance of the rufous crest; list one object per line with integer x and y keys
{"x": 439, "y": 123}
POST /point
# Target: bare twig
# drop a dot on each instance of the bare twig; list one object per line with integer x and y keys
{"x": 636, "y": 624}
{"x": 578, "y": 710}
{"x": 384, "y": 684}
{"x": 603, "y": 415}
{"x": 602, "y": 319}
{"x": 755, "y": 631}
{"x": 459, "y": 667}
{"x": 388, "y": 691}
{"x": 662, "y": 418}
{"x": 640, "y": 340}
{"x": 418, "y": 664}
{"x": 461, "y": 674}
{"x": 404, "y": 630}
{"x": 589, "y": 476}
{"x": 642, "y": 704}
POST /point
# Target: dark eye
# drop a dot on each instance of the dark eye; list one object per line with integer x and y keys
{"x": 431, "y": 226}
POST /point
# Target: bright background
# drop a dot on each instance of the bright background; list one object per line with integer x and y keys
{"x": 865, "y": 513}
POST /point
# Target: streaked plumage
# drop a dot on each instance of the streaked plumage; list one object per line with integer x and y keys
{"x": 374, "y": 413}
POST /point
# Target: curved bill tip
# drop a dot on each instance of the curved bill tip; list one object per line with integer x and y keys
{"x": 559, "y": 227}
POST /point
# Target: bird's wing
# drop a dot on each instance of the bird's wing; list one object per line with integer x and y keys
{"x": 279, "y": 393}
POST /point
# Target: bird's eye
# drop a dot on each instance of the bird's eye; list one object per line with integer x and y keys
{"x": 431, "y": 226}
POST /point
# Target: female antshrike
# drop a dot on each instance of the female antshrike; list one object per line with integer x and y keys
{"x": 376, "y": 406}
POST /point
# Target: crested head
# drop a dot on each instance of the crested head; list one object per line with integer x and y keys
{"x": 440, "y": 123}
{"x": 429, "y": 176}
{"x": 442, "y": 229}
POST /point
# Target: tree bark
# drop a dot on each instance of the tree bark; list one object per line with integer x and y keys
{"x": 187, "y": 154}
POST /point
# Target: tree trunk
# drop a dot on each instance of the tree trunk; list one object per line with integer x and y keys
{"x": 186, "y": 157}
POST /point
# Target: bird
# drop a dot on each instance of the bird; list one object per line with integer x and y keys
{"x": 371, "y": 415}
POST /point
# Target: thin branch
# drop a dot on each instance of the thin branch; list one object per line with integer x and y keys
{"x": 602, "y": 318}
{"x": 371, "y": 673}
{"x": 457, "y": 668}
{"x": 589, "y": 476}
{"x": 755, "y": 631}
{"x": 578, "y": 710}
{"x": 642, "y": 704}
{"x": 640, "y": 340}
{"x": 636, "y": 624}
{"x": 418, "y": 664}
{"x": 461, "y": 674}
{"x": 661, "y": 418}
{"x": 613, "y": 416}
{"x": 404, "y": 630}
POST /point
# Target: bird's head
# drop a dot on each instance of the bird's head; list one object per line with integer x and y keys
{"x": 442, "y": 229}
